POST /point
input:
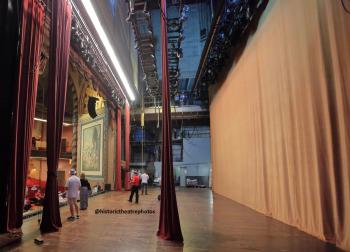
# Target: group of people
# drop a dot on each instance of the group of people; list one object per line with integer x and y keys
{"x": 73, "y": 185}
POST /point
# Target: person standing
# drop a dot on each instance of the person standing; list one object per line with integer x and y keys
{"x": 144, "y": 182}
{"x": 135, "y": 182}
{"x": 84, "y": 192}
{"x": 72, "y": 186}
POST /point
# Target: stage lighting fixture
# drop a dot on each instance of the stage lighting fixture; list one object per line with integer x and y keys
{"x": 110, "y": 51}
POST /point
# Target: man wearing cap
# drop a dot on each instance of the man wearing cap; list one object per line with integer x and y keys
{"x": 72, "y": 186}
{"x": 135, "y": 181}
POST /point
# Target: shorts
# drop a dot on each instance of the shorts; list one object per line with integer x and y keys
{"x": 72, "y": 201}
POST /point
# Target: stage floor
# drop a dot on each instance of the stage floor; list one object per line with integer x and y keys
{"x": 209, "y": 222}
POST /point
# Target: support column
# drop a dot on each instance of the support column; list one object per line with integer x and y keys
{"x": 127, "y": 136}
{"x": 169, "y": 222}
{"x": 75, "y": 128}
{"x": 118, "y": 171}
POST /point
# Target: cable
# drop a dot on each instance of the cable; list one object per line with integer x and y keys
{"x": 180, "y": 8}
{"x": 344, "y": 6}
{"x": 162, "y": 13}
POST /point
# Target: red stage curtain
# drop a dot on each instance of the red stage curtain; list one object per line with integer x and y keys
{"x": 58, "y": 76}
{"x": 118, "y": 172}
{"x": 9, "y": 27}
{"x": 33, "y": 14}
{"x": 127, "y": 136}
{"x": 169, "y": 223}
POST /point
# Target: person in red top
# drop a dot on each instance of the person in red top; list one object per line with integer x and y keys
{"x": 135, "y": 181}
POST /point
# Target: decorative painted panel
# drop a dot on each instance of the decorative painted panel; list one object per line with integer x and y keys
{"x": 91, "y": 152}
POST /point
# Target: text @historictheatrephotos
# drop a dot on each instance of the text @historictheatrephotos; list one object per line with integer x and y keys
{"x": 122, "y": 211}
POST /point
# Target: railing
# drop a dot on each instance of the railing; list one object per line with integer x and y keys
{"x": 39, "y": 149}
{"x": 42, "y": 153}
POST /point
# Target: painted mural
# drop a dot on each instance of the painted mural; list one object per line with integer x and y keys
{"x": 91, "y": 148}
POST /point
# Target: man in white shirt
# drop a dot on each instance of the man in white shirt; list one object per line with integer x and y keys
{"x": 72, "y": 186}
{"x": 144, "y": 182}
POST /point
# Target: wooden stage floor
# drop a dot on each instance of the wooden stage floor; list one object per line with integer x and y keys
{"x": 209, "y": 222}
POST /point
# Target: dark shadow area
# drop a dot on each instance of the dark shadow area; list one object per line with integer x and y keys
{"x": 239, "y": 46}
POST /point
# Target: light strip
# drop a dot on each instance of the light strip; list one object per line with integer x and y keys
{"x": 93, "y": 16}
{"x": 39, "y": 119}
{"x": 44, "y": 120}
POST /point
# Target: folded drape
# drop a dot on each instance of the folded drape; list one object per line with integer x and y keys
{"x": 10, "y": 15}
{"x": 57, "y": 86}
{"x": 280, "y": 121}
{"x": 169, "y": 222}
{"x": 32, "y": 28}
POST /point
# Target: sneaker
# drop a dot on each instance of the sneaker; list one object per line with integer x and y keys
{"x": 71, "y": 218}
{"x": 77, "y": 217}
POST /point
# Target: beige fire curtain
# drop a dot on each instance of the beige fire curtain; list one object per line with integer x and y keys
{"x": 280, "y": 121}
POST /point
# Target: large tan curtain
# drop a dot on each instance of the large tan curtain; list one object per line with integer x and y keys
{"x": 280, "y": 122}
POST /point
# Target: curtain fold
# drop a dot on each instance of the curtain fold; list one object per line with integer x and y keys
{"x": 280, "y": 121}
{"x": 57, "y": 86}
{"x": 9, "y": 30}
{"x": 32, "y": 28}
{"x": 169, "y": 222}
{"x": 118, "y": 172}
